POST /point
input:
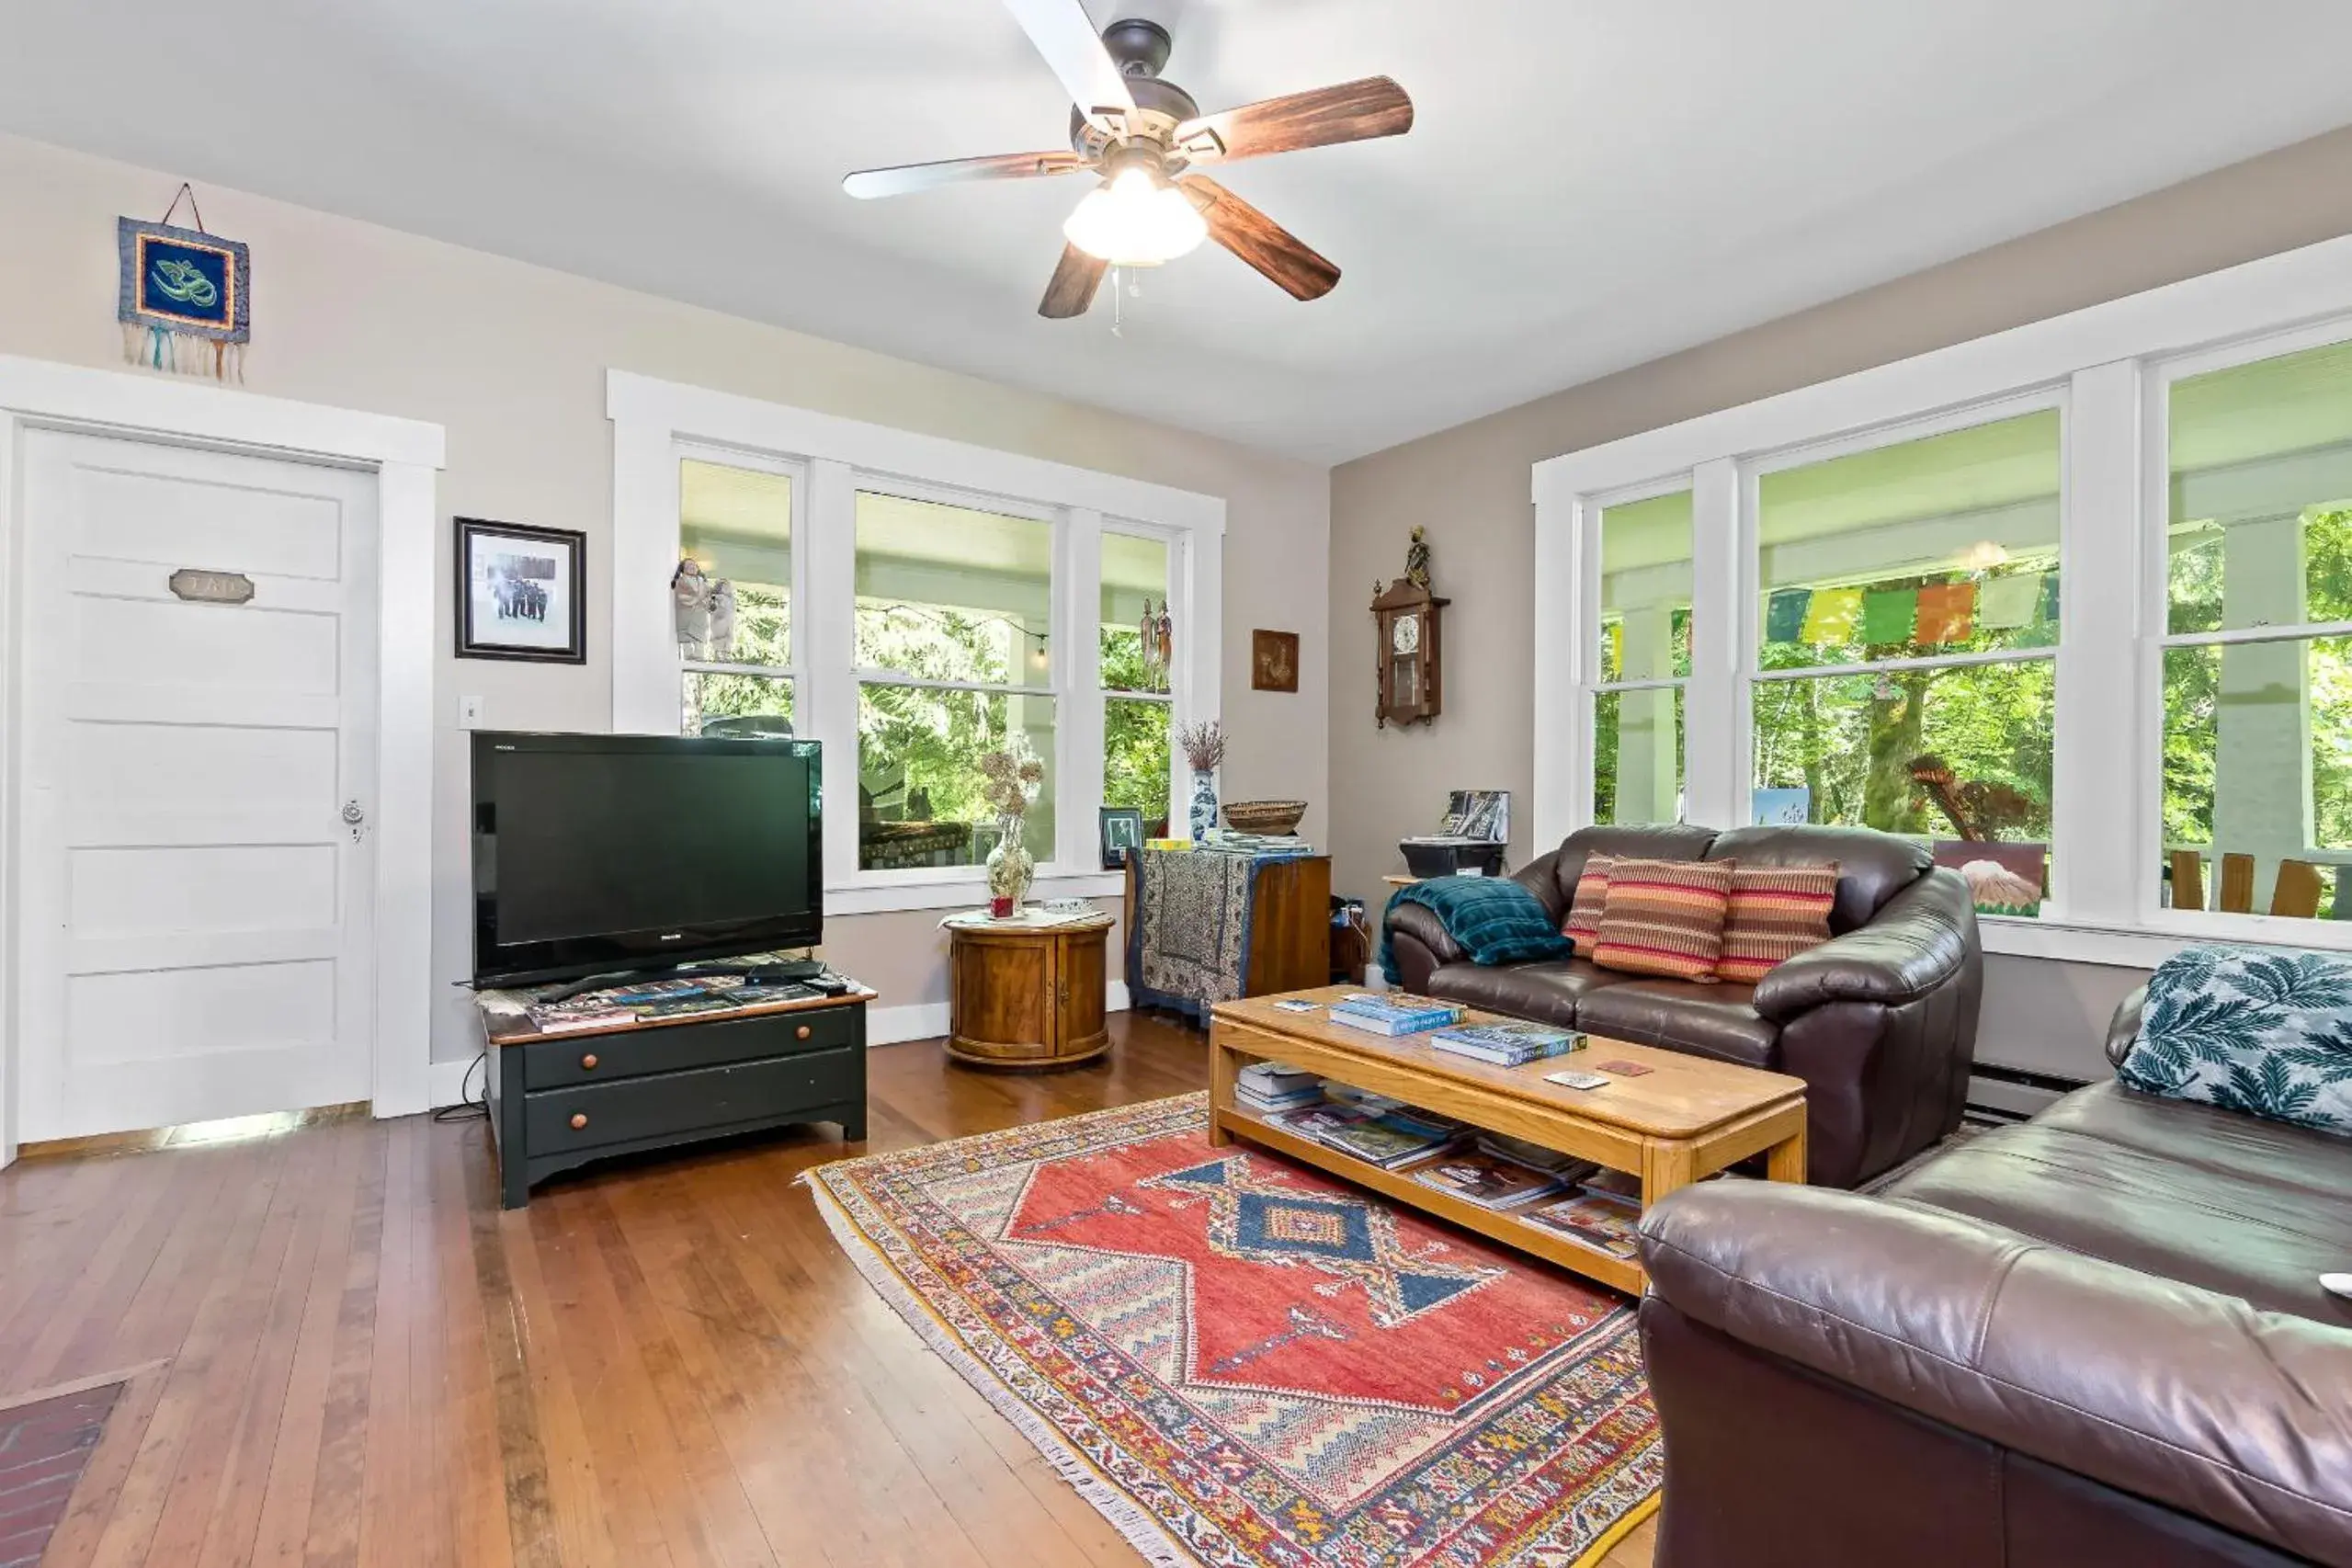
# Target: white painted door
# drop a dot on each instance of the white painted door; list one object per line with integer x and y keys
{"x": 194, "y": 921}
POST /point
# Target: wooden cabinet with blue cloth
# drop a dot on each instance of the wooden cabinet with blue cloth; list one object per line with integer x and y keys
{"x": 1205, "y": 926}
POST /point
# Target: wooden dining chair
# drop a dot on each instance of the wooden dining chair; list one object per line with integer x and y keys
{"x": 2189, "y": 879}
{"x": 2236, "y": 894}
{"x": 2297, "y": 893}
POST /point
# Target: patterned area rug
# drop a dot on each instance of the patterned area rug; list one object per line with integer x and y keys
{"x": 44, "y": 1447}
{"x": 1244, "y": 1364}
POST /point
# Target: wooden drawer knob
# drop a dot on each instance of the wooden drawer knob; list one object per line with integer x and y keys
{"x": 579, "y": 1119}
{"x": 589, "y": 1063}
{"x": 800, "y": 1033}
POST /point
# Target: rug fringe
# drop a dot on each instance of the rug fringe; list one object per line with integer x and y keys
{"x": 1140, "y": 1529}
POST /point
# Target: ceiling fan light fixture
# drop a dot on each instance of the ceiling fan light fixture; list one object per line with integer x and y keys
{"x": 1135, "y": 218}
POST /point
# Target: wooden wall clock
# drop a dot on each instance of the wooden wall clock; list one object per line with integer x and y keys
{"x": 1405, "y": 618}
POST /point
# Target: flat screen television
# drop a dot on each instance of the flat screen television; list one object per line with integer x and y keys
{"x": 598, "y": 853}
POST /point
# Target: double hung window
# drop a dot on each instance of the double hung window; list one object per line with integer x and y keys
{"x": 735, "y": 526}
{"x": 954, "y": 659}
{"x": 2256, "y": 806}
{"x": 1907, "y": 628}
{"x": 1644, "y": 659}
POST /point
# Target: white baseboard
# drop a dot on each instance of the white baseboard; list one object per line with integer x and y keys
{"x": 445, "y": 1084}
{"x": 917, "y": 1020}
{"x": 928, "y": 1020}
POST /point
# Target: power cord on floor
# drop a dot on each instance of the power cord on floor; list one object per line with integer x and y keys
{"x": 468, "y": 1108}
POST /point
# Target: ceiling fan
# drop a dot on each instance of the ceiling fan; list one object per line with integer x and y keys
{"x": 1143, "y": 135}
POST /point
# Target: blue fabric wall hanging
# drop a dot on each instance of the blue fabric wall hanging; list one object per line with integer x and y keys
{"x": 186, "y": 297}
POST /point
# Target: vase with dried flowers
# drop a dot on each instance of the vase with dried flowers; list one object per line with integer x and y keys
{"x": 1010, "y": 779}
{"x": 1204, "y": 747}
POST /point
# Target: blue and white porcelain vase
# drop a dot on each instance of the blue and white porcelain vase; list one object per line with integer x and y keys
{"x": 1204, "y": 806}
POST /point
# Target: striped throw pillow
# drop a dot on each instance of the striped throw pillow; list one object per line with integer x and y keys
{"x": 1665, "y": 918}
{"x": 1582, "y": 926}
{"x": 1777, "y": 913}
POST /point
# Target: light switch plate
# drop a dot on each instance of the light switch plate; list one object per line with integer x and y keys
{"x": 470, "y": 712}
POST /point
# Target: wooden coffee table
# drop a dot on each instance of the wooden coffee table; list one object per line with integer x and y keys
{"x": 1686, "y": 1119}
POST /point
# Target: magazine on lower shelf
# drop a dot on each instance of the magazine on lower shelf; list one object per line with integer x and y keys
{"x": 1487, "y": 1180}
{"x": 1386, "y": 1139}
{"x": 1602, "y": 1221}
{"x": 1537, "y": 1157}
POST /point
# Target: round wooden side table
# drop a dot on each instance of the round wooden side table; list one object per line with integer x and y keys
{"x": 1026, "y": 995}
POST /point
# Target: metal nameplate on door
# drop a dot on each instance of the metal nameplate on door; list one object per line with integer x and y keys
{"x": 211, "y": 587}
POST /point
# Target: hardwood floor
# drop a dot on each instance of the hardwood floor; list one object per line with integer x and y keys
{"x": 339, "y": 1350}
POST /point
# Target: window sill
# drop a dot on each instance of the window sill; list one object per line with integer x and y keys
{"x": 879, "y": 893}
{"x": 2149, "y": 943}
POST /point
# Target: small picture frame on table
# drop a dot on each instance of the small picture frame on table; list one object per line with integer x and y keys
{"x": 1122, "y": 831}
{"x": 522, "y": 593}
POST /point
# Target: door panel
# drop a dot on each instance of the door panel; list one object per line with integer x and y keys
{"x": 221, "y": 648}
{"x": 149, "y": 891}
{"x": 196, "y": 937}
{"x": 184, "y": 518}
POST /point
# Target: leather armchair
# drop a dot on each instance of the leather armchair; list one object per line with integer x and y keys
{"x": 1880, "y": 1021}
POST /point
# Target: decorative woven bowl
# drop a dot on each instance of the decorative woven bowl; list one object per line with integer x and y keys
{"x": 1264, "y": 816}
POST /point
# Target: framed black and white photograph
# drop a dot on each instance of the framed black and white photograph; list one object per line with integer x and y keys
{"x": 1122, "y": 835}
{"x": 522, "y": 593}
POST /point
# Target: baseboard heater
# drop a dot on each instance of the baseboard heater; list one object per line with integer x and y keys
{"x": 2014, "y": 1094}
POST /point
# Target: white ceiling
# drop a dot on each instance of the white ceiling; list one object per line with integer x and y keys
{"x": 1590, "y": 183}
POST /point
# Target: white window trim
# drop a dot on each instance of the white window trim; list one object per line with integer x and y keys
{"x": 2104, "y": 365}
{"x": 655, "y": 422}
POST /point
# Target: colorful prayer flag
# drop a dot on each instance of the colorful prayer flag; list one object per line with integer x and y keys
{"x": 2004, "y": 604}
{"x": 1784, "y": 615}
{"x": 1947, "y": 611}
{"x": 1832, "y": 614}
{"x": 1888, "y": 614}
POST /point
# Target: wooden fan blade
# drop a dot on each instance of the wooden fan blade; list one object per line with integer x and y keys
{"x": 1072, "y": 288}
{"x": 1260, "y": 240}
{"x": 867, "y": 184}
{"x": 1353, "y": 111}
{"x": 1068, "y": 40}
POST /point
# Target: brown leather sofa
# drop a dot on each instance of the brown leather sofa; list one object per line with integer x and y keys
{"x": 1879, "y": 1022}
{"x": 2093, "y": 1340}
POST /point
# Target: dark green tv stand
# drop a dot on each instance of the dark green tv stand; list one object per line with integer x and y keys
{"x": 558, "y": 1101}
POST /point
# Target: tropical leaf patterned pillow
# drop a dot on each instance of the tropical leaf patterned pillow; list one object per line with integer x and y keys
{"x": 2263, "y": 1031}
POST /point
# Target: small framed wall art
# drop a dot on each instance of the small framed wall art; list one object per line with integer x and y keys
{"x": 186, "y": 296}
{"x": 522, "y": 593}
{"x": 1273, "y": 660}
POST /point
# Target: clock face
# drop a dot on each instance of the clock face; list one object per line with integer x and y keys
{"x": 1405, "y": 634}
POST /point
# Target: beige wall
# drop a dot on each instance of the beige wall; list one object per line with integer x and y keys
{"x": 1470, "y": 487}
{"x": 511, "y": 360}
